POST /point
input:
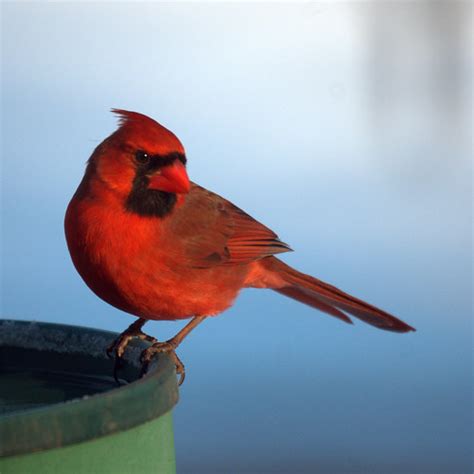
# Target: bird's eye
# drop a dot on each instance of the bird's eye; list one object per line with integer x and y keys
{"x": 142, "y": 157}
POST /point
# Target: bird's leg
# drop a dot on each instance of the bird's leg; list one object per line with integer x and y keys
{"x": 170, "y": 346}
{"x": 134, "y": 330}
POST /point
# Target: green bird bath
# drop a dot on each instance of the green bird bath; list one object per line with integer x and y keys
{"x": 61, "y": 411}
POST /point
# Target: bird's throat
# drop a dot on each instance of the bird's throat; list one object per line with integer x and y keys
{"x": 149, "y": 202}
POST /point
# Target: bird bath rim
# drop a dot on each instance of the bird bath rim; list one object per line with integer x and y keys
{"x": 92, "y": 416}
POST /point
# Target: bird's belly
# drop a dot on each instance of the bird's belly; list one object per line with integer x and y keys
{"x": 163, "y": 292}
{"x": 119, "y": 265}
{"x": 167, "y": 293}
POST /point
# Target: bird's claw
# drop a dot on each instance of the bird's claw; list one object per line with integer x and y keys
{"x": 118, "y": 346}
{"x": 168, "y": 347}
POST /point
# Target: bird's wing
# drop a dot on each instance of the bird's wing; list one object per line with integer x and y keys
{"x": 212, "y": 231}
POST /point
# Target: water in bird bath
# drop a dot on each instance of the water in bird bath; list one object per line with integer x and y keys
{"x": 24, "y": 389}
{"x": 43, "y": 364}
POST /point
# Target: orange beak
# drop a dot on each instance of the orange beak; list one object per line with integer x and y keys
{"x": 171, "y": 179}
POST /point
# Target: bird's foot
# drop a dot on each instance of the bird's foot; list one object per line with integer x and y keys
{"x": 117, "y": 348}
{"x": 168, "y": 347}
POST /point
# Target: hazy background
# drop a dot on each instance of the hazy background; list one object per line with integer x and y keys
{"x": 344, "y": 127}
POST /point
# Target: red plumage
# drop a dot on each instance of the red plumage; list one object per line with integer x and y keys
{"x": 162, "y": 255}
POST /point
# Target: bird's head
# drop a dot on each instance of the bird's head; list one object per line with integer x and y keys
{"x": 144, "y": 163}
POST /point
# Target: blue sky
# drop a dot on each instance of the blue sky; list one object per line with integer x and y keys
{"x": 343, "y": 127}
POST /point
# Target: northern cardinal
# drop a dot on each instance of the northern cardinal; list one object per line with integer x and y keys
{"x": 152, "y": 243}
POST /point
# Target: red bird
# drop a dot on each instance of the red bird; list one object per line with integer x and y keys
{"x": 152, "y": 243}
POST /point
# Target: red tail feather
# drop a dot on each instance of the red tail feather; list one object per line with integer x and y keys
{"x": 329, "y": 299}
